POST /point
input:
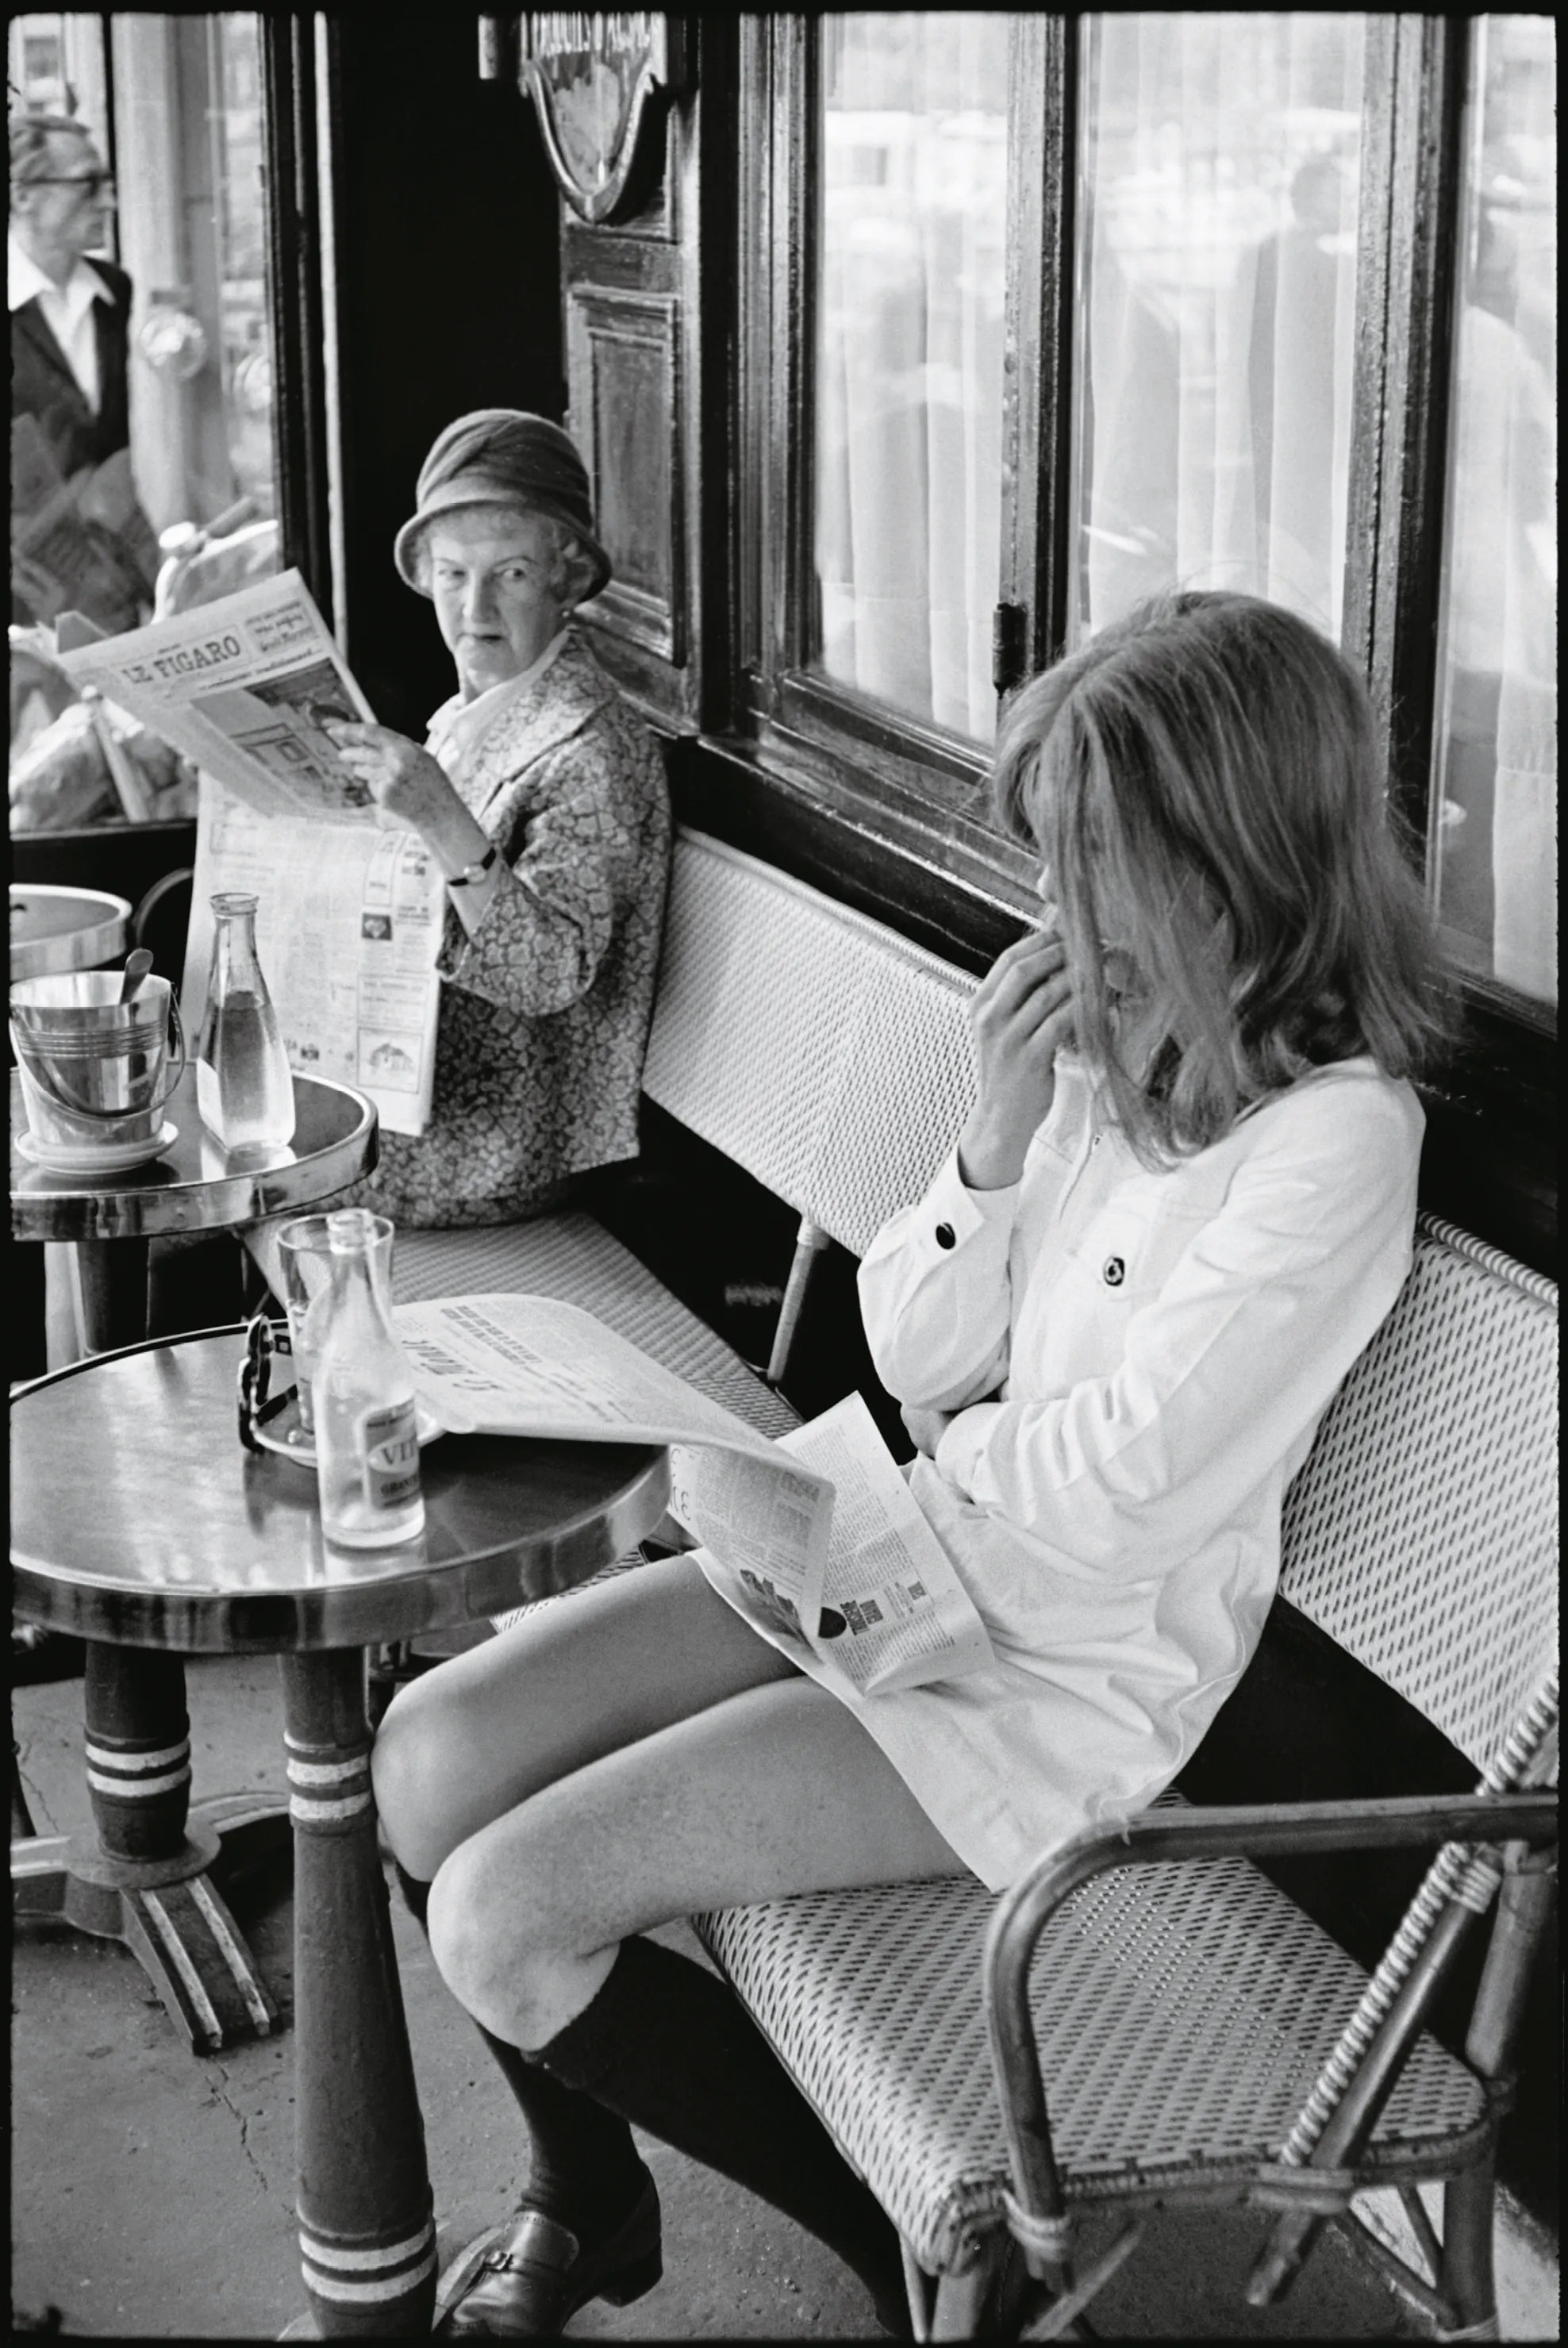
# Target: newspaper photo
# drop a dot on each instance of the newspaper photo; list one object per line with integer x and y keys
{"x": 891, "y": 1613}
{"x": 348, "y": 927}
{"x": 241, "y": 687}
{"x": 508, "y": 1365}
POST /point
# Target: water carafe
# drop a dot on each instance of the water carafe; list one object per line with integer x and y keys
{"x": 244, "y": 1090}
{"x": 366, "y": 1429}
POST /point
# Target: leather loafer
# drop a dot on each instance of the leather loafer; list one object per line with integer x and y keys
{"x": 525, "y": 2279}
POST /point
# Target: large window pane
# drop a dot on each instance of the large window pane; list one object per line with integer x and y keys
{"x": 1216, "y": 293}
{"x": 1495, "y": 820}
{"x": 909, "y": 358}
{"x": 142, "y": 439}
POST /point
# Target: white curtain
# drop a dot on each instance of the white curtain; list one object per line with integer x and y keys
{"x": 1498, "y": 747}
{"x": 1217, "y": 289}
{"x": 908, "y": 359}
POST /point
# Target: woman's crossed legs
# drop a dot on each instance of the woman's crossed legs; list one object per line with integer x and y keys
{"x": 633, "y": 1754}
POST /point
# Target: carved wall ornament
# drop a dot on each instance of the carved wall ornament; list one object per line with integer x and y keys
{"x": 592, "y": 76}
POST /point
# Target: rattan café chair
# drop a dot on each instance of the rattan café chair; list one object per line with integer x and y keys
{"x": 1167, "y": 2028}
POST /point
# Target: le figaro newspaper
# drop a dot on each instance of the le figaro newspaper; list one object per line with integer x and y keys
{"x": 349, "y": 911}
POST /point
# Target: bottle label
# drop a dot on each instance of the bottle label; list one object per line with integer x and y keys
{"x": 390, "y": 1450}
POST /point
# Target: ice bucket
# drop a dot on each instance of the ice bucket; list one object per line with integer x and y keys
{"x": 94, "y": 1071}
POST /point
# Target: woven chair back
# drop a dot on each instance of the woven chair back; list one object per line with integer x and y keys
{"x": 1421, "y": 1533}
{"x": 825, "y": 1054}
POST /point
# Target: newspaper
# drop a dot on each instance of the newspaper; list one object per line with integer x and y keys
{"x": 241, "y": 687}
{"x": 349, "y": 911}
{"x": 348, "y": 928}
{"x": 814, "y": 1539}
{"x": 889, "y": 1612}
{"x": 507, "y": 1364}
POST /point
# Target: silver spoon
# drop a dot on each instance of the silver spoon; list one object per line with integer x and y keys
{"x": 137, "y": 966}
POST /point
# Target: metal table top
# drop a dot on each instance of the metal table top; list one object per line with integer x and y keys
{"x": 194, "y": 1185}
{"x": 138, "y": 1518}
{"x": 54, "y": 929}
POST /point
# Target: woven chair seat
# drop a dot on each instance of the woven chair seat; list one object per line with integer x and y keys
{"x": 1184, "y": 2013}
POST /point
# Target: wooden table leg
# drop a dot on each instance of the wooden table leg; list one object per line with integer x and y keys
{"x": 367, "y": 2225}
{"x": 144, "y": 1878}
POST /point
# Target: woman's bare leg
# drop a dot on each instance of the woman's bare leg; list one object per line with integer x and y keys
{"x": 775, "y": 1790}
{"x": 607, "y": 1667}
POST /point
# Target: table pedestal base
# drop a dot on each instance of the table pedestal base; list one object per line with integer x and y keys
{"x": 168, "y": 1911}
{"x": 366, "y": 2227}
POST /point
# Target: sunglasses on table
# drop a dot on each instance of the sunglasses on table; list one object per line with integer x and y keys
{"x": 257, "y": 1404}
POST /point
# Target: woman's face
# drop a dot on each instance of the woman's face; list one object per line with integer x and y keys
{"x": 491, "y": 570}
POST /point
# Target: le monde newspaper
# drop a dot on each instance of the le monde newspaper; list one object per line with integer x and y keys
{"x": 813, "y": 1538}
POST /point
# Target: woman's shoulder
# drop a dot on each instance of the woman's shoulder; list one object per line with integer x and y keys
{"x": 1352, "y": 1102}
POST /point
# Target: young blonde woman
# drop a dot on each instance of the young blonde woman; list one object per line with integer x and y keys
{"x": 1180, "y": 1208}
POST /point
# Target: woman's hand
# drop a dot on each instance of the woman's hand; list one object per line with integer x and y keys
{"x": 1021, "y": 1017}
{"x": 413, "y": 789}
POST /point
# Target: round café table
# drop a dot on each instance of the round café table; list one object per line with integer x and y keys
{"x": 54, "y": 929}
{"x": 134, "y": 1703}
{"x": 192, "y": 1545}
{"x": 108, "y": 1219}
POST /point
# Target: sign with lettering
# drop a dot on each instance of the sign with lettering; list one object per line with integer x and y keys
{"x": 592, "y": 75}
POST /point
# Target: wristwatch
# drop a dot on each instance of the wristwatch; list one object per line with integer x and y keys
{"x": 476, "y": 871}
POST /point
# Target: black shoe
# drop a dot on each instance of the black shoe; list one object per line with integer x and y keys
{"x": 526, "y": 2279}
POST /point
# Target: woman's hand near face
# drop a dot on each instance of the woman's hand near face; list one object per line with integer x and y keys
{"x": 1021, "y": 1017}
{"x": 413, "y": 788}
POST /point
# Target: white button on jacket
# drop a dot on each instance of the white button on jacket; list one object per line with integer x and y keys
{"x": 1136, "y": 1364}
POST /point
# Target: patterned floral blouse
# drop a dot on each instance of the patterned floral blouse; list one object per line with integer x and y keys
{"x": 545, "y": 1009}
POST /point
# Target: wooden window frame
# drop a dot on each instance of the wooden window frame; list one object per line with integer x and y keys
{"x": 913, "y": 789}
{"x": 918, "y": 784}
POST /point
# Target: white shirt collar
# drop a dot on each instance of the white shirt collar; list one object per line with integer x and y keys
{"x": 25, "y": 280}
{"x": 458, "y": 726}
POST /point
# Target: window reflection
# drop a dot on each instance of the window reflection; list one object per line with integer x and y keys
{"x": 909, "y": 358}
{"x": 1216, "y": 291}
{"x": 142, "y": 439}
{"x": 1495, "y": 821}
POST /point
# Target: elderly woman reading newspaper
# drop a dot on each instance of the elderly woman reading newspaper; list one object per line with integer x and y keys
{"x": 1182, "y": 1205}
{"x": 541, "y": 798}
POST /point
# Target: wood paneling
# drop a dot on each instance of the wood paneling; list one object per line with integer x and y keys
{"x": 625, "y": 398}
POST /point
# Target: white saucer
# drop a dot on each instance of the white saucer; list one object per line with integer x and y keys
{"x": 286, "y": 1436}
{"x": 94, "y": 1156}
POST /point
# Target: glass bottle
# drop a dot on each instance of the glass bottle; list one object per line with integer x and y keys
{"x": 366, "y": 1434}
{"x": 244, "y": 1090}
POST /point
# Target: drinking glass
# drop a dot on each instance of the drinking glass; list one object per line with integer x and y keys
{"x": 305, "y": 1250}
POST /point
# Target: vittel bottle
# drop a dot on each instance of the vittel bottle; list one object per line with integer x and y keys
{"x": 243, "y": 1087}
{"x": 366, "y": 1438}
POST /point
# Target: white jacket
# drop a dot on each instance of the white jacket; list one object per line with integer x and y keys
{"x": 1137, "y": 1364}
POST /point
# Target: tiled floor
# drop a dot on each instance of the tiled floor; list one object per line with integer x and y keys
{"x": 152, "y": 2191}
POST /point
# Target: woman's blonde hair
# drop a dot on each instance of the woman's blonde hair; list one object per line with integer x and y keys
{"x": 1203, "y": 782}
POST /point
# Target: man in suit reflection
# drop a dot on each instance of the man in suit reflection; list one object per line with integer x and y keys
{"x": 70, "y": 329}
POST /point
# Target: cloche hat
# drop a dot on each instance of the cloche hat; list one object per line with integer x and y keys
{"x": 503, "y": 455}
